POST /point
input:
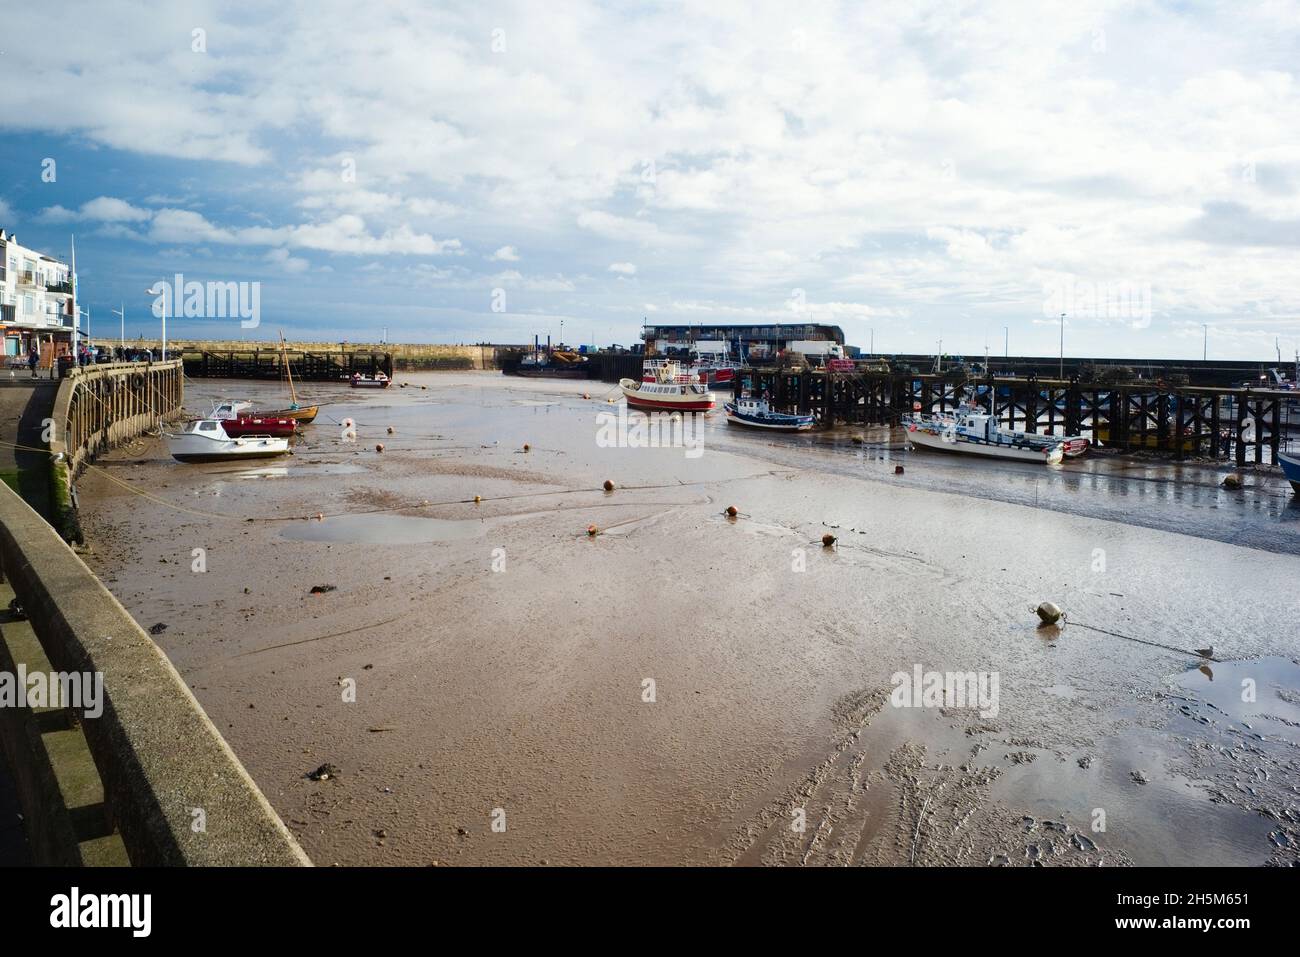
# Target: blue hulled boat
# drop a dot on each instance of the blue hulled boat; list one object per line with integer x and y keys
{"x": 1291, "y": 469}
{"x": 757, "y": 414}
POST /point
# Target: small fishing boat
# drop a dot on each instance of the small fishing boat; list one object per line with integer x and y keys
{"x": 665, "y": 387}
{"x": 758, "y": 414}
{"x": 303, "y": 415}
{"x": 206, "y": 440}
{"x": 257, "y": 423}
{"x": 976, "y": 433}
{"x": 1290, "y": 463}
{"x": 376, "y": 381}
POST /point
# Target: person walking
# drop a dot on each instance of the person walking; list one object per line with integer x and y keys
{"x": 32, "y": 358}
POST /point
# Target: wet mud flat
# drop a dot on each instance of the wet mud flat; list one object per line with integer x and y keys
{"x": 493, "y": 685}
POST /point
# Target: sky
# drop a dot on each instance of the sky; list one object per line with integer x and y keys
{"x": 914, "y": 172}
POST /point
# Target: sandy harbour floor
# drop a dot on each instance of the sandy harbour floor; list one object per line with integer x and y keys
{"x": 502, "y": 658}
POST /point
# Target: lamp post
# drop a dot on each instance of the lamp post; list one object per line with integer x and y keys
{"x": 1006, "y": 342}
{"x": 1205, "y": 341}
{"x": 1060, "y": 374}
{"x": 160, "y": 289}
{"x": 121, "y": 335}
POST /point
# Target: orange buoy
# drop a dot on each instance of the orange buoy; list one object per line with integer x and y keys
{"x": 828, "y": 540}
{"x": 731, "y": 511}
{"x": 609, "y": 486}
{"x": 592, "y": 530}
{"x": 527, "y": 446}
{"x": 477, "y": 499}
{"x": 379, "y": 447}
{"x": 390, "y": 430}
{"x": 898, "y": 470}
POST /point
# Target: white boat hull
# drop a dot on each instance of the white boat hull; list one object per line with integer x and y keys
{"x": 194, "y": 447}
{"x": 955, "y": 442}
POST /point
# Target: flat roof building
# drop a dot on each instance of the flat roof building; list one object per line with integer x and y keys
{"x": 743, "y": 340}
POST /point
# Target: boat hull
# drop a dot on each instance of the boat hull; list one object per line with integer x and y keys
{"x": 1291, "y": 469}
{"x": 304, "y": 416}
{"x": 275, "y": 426}
{"x": 190, "y": 448}
{"x": 371, "y": 383}
{"x": 963, "y": 445}
{"x": 803, "y": 424}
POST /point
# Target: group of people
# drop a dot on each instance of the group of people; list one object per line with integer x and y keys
{"x": 88, "y": 356}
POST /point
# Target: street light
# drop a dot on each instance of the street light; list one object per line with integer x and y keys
{"x": 160, "y": 289}
{"x": 121, "y": 314}
{"x": 1061, "y": 372}
{"x": 1205, "y": 342}
{"x": 1006, "y": 342}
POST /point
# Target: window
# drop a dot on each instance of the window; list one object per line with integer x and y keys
{"x": 28, "y": 306}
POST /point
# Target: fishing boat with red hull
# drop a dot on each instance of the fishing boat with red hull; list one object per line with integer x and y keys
{"x": 665, "y": 387}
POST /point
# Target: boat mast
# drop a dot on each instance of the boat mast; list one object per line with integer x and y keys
{"x": 284, "y": 356}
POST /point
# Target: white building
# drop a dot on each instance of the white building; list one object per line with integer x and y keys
{"x": 37, "y": 301}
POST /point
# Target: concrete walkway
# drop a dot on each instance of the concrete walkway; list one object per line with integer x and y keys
{"x": 25, "y": 404}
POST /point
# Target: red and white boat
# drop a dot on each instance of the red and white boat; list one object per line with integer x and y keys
{"x": 712, "y": 362}
{"x": 376, "y": 381}
{"x": 666, "y": 387}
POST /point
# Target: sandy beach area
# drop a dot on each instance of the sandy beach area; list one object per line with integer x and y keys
{"x": 493, "y": 685}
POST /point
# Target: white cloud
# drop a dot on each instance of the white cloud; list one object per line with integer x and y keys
{"x": 290, "y": 264}
{"x": 506, "y": 254}
{"x": 626, "y": 269}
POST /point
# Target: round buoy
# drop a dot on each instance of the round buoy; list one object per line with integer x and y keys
{"x": 586, "y": 395}
{"x": 424, "y": 387}
{"x": 477, "y": 499}
{"x": 527, "y": 447}
{"x": 320, "y": 516}
{"x": 731, "y": 511}
{"x": 379, "y": 447}
{"x": 1049, "y": 613}
{"x": 916, "y": 407}
{"x": 1232, "y": 480}
{"x": 828, "y": 540}
{"x": 898, "y": 470}
{"x": 390, "y": 430}
{"x": 592, "y": 530}
{"x": 609, "y": 486}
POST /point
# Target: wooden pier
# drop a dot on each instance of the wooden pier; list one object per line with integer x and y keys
{"x": 269, "y": 364}
{"x": 1249, "y": 426}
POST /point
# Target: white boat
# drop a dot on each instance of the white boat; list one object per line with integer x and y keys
{"x": 977, "y": 433}
{"x": 666, "y": 387}
{"x": 205, "y": 440}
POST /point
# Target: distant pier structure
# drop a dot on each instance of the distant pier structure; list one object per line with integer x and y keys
{"x": 1246, "y": 424}
{"x": 306, "y": 366}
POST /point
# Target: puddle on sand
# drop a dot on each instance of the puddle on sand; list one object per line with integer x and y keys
{"x": 387, "y": 529}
